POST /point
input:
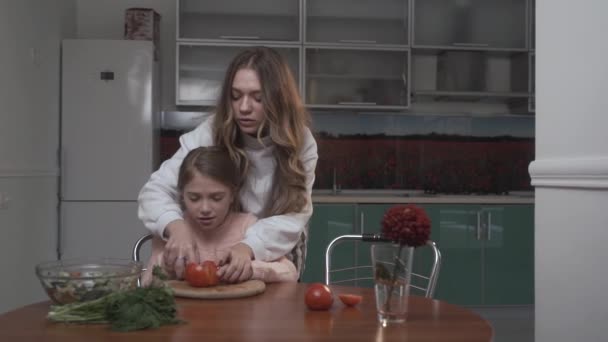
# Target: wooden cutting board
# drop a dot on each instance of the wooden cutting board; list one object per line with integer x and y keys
{"x": 245, "y": 289}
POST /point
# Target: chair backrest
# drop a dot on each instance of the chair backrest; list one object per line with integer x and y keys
{"x": 138, "y": 244}
{"x": 421, "y": 281}
{"x": 137, "y": 249}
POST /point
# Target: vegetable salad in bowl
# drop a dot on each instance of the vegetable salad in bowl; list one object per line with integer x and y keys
{"x": 79, "y": 280}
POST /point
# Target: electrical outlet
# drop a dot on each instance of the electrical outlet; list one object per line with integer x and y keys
{"x": 4, "y": 200}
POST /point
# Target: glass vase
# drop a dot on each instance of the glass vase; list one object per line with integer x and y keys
{"x": 392, "y": 264}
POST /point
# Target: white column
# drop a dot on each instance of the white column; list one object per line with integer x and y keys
{"x": 571, "y": 170}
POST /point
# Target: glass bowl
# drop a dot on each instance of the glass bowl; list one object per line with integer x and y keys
{"x": 79, "y": 280}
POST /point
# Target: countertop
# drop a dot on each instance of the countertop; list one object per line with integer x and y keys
{"x": 371, "y": 196}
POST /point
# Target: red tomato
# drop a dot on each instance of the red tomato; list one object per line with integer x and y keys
{"x": 319, "y": 297}
{"x": 202, "y": 275}
{"x": 350, "y": 299}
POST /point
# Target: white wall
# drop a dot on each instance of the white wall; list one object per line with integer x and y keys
{"x": 571, "y": 170}
{"x": 105, "y": 20}
{"x": 30, "y": 36}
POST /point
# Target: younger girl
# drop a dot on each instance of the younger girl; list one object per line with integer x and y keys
{"x": 208, "y": 183}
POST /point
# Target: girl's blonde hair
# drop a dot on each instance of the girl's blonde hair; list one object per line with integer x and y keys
{"x": 286, "y": 121}
{"x": 213, "y": 162}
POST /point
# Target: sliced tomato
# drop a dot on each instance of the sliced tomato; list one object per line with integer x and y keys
{"x": 350, "y": 299}
{"x": 202, "y": 275}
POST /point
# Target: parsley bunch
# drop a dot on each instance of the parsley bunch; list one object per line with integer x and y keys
{"x": 136, "y": 309}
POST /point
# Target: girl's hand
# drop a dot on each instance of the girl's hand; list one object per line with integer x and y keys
{"x": 235, "y": 267}
{"x": 180, "y": 248}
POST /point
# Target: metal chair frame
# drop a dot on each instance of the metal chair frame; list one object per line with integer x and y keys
{"x": 136, "y": 250}
{"x": 138, "y": 244}
{"x": 376, "y": 238}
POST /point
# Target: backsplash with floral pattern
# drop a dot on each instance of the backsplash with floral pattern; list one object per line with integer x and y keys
{"x": 434, "y": 153}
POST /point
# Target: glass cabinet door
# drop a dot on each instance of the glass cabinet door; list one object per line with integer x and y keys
{"x": 532, "y": 81}
{"x": 356, "y": 78}
{"x": 357, "y": 22}
{"x": 237, "y": 19}
{"x": 470, "y": 23}
{"x": 201, "y": 70}
{"x": 532, "y": 24}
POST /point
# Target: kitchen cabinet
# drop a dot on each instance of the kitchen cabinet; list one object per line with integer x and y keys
{"x": 328, "y": 222}
{"x": 260, "y": 20}
{"x": 384, "y": 55}
{"x": 487, "y": 252}
{"x": 532, "y": 21}
{"x": 201, "y": 68}
{"x": 362, "y": 22}
{"x": 532, "y": 64}
{"x": 356, "y": 78}
{"x": 470, "y": 51}
{"x": 484, "y": 24}
{"x": 532, "y": 81}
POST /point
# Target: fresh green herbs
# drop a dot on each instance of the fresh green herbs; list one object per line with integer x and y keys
{"x": 136, "y": 309}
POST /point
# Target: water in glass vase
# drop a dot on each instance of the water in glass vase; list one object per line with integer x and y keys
{"x": 392, "y": 307}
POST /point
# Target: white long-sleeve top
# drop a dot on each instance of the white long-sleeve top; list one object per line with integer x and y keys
{"x": 271, "y": 237}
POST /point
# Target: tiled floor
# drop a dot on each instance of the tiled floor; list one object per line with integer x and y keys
{"x": 511, "y": 324}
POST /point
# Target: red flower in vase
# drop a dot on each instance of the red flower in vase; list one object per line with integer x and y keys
{"x": 407, "y": 225}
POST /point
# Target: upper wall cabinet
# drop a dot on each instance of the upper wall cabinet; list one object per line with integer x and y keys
{"x": 366, "y": 22}
{"x": 356, "y": 78}
{"x": 483, "y": 24}
{"x": 263, "y": 20}
{"x": 201, "y": 68}
{"x": 421, "y": 55}
{"x": 532, "y": 24}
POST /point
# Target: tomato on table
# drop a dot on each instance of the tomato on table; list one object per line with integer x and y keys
{"x": 202, "y": 275}
{"x": 319, "y": 297}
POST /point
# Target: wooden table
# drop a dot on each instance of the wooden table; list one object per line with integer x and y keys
{"x": 279, "y": 314}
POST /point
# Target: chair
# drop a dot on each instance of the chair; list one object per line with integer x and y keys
{"x": 138, "y": 244}
{"x": 422, "y": 282}
{"x": 136, "y": 250}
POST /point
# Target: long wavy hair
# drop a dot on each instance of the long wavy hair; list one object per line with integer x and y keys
{"x": 285, "y": 122}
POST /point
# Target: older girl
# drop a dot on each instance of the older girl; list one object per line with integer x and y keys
{"x": 261, "y": 121}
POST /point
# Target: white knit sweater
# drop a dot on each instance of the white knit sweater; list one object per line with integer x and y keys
{"x": 270, "y": 238}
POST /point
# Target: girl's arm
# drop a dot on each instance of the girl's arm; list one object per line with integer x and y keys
{"x": 275, "y": 236}
{"x": 158, "y": 198}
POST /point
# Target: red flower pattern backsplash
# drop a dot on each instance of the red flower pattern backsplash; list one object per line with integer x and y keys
{"x": 491, "y": 162}
{"x": 436, "y": 164}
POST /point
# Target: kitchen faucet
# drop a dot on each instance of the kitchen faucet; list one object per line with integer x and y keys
{"x": 335, "y": 187}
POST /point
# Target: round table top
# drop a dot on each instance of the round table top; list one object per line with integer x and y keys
{"x": 278, "y": 314}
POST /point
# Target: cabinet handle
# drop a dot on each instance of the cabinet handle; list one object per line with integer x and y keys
{"x": 478, "y": 230}
{"x": 357, "y": 41}
{"x": 471, "y": 44}
{"x": 357, "y": 103}
{"x": 489, "y": 233}
{"x": 241, "y": 37}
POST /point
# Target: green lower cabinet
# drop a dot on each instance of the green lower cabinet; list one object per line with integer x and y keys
{"x": 460, "y": 278}
{"x": 487, "y": 250}
{"x": 488, "y": 254}
{"x": 509, "y": 256}
{"x": 327, "y": 222}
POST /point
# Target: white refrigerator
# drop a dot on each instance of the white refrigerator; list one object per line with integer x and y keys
{"x": 109, "y": 144}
